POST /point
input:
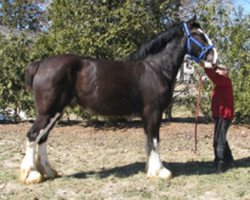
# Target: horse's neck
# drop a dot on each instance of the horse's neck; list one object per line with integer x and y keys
{"x": 169, "y": 60}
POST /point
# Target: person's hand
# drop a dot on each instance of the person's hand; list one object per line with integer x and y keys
{"x": 205, "y": 64}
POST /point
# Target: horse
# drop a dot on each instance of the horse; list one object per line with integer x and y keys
{"x": 138, "y": 85}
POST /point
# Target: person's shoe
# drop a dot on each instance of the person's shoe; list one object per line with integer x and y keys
{"x": 220, "y": 168}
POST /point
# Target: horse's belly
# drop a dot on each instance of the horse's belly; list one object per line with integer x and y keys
{"x": 111, "y": 108}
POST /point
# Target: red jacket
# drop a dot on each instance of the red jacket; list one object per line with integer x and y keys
{"x": 222, "y": 95}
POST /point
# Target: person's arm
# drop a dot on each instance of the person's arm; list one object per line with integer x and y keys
{"x": 216, "y": 78}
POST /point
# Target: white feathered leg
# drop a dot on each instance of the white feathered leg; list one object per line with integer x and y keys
{"x": 155, "y": 167}
{"x": 43, "y": 162}
{"x": 32, "y": 169}
{"x": 28, "y": 170}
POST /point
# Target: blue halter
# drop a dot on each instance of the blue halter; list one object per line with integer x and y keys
{"x": 190, "y": 39}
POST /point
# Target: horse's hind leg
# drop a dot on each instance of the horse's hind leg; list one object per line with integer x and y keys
{"x": 42, "y": 158}
{"x": 28, "y": 169}
{"x": 32, "y": 171}
{"x": 43, "y": 164}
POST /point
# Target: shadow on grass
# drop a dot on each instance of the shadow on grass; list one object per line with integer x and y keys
{"x": 178, "y": 169}
{"x": 117, "y": 124}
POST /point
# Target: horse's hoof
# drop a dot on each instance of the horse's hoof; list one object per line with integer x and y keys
{"x": 162, "y": 173}
{"x": 165, "y": 174}
{"x": 52, "y": 173}
{"x": 31, "y": 177}
{"x": 46, "y": 170}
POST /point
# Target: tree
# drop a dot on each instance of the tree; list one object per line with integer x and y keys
{"x": 113, "y": 29}
{"x": 103, "y": 28}
{"x": 13, "y": 58}
{"x": 237, "y": 56}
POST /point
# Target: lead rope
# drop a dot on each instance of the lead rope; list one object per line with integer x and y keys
{"x": 198, "y": 98}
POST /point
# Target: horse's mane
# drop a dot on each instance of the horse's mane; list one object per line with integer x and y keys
{"x": 156, "y": 45}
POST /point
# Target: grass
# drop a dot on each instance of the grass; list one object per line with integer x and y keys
{"x": 108, "y": 163}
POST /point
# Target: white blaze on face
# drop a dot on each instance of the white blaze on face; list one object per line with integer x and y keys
{"x": 210, "y": 43}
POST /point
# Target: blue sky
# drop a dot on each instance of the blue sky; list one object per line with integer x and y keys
{"x": 245, "y": 4}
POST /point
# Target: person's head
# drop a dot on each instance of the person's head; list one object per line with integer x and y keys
{"x": 222, "y": 70}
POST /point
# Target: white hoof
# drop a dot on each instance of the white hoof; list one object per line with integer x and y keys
{"x": 165, "y": 173}
{"x": 30, "y": 177}
{"x": 161, "y": 173}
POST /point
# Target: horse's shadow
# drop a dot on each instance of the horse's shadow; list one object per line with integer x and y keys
{"x": 177, "y": 168}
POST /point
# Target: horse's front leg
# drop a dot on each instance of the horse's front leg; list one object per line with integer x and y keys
{"x": 154, "y": 167}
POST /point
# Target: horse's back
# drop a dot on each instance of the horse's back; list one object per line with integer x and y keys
{"x": 59, "y": 62}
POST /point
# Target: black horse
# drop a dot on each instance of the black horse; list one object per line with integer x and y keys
{"x": 139, "y": 85}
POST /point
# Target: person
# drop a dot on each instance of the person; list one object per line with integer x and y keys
{"x": 222, "y": 107}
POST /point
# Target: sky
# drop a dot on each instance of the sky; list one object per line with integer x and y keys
{"x": 245, "y": 4}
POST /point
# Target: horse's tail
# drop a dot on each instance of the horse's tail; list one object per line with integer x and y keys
{"x": 30, "y": 72}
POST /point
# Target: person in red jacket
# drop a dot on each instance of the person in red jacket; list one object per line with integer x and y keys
{"x": 222, "y": 107}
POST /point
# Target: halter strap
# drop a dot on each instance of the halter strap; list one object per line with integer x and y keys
{"x": 203, "y": 48}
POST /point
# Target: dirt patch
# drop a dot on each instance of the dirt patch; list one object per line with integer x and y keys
{"x": 107, "y": 162}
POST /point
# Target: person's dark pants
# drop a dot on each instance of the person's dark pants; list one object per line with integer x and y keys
{"x": 222, "y": 151}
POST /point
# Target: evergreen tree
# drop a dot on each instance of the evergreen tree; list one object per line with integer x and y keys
{"x": 113, "y": 29}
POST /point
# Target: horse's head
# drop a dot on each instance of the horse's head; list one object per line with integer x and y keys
{"x": 199, "y": 46}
